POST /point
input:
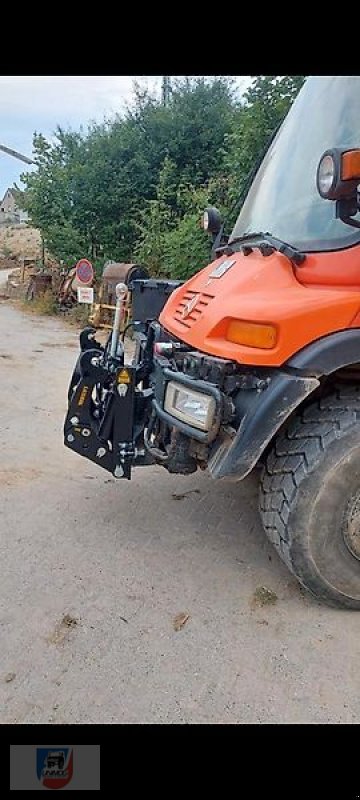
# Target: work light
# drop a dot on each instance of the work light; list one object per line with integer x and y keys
{"x": 188, "y": 405}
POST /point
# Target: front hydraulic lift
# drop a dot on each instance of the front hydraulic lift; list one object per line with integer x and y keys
{"x": 100, "y": 423}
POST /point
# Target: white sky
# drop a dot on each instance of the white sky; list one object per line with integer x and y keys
{"x": 39, "y": 103}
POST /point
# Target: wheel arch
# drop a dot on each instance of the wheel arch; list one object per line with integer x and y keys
{"x": 328, "y": 354}
{"x": 304, "y": 376}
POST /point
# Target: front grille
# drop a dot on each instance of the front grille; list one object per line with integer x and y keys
{"x": 202, "y": 301}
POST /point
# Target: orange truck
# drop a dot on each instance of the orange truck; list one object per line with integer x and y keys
{"x": 255, "y": 361}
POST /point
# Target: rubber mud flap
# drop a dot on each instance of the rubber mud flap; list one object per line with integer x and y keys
{"x": 260, "y": 423}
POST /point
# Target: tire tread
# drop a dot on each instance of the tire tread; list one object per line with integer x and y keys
{"x": 297, "y": 452}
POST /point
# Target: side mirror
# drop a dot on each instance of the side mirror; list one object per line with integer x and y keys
{"x": 338, "y": 173}
{"x": 211, "y": 220}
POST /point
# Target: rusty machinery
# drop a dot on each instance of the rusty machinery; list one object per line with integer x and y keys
{"x": 102, "y": 311}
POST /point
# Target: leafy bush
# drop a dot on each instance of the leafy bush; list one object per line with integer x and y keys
{"x": 45, "y": 304}
{"x": 187, "y": 248}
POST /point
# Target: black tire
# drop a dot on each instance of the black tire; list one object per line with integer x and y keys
{"x": 310, "y": 497}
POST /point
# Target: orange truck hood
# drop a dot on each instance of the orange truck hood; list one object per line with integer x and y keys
{"x": 264, "y": 290}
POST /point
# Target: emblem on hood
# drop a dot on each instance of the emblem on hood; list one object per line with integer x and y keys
{"x": 219, "y": 271}
{"x": 189, "y": 306}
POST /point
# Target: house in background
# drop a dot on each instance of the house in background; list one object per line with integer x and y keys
{"x": 9, "y": 210}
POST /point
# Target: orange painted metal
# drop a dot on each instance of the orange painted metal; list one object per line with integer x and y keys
{"x": 303, "y": 303}
{"x": 350, "y": 165}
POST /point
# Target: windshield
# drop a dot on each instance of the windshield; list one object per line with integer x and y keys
{"x": 283, "y": 199}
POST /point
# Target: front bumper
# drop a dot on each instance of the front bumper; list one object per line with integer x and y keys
{"x": 260, "y": 407}
{"x": 129, "y": 425}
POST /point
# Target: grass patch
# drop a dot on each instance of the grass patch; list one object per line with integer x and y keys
{"x": 263, "y": 597}
{"x": 78, "y": 315}
{"x": 44, "y": 305}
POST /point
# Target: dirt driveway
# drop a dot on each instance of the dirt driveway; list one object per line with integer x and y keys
{"x": 94, "y": 571}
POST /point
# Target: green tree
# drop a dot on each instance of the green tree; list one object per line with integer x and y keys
{"x": 175, "y": 246}
{"x": 261, "y": 111}
{"x": 186, "y": 248}
{"x": 158, "y": 216}
{"x": 48, "y": 194}
{"x": 134, "y": 187}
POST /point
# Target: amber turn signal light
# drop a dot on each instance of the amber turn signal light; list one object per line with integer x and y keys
{"x": 251, "y": 334}
{"x": 350, "y": 165}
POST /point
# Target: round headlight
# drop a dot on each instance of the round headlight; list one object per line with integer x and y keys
{"x": 326, "y": 175}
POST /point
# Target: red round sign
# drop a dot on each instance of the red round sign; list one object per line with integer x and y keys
{"x": 84, "y": 271}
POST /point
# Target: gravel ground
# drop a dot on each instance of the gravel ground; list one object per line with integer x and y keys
{"x": 95, "y": 572}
